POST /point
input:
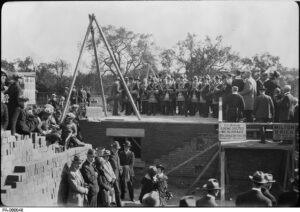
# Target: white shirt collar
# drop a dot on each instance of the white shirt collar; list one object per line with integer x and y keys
{"x": 257, "y": 189}
{"x": 211, "y": 196}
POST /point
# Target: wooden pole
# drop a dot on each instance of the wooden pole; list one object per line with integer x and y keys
{"x": 285, "y": 179}
{"x": 192, "y": 158}
{"x": 203, "y": 171}
{"x": 222, "y": 180}
{"x": 98, "y": 69}
{"x": 75, "y": 72}
{"x": 117, "y": 68}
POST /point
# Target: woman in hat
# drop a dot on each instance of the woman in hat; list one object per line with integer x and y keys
{"x": 78, "y": 189}
{"x": 105, "y": 179}
{"x": 162, "y": 185}
{"x": 149, "y": 182}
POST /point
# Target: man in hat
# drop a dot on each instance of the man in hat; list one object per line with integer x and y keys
{"x": 238, "y": 81}
{"x": 127, "y": 162}
{"x": 115, "y": 164}
{"x": 266, "y": 188}
{"x": 74, "y": 96}
{"x": 187, "y": 201}
{"x": 249, "y": 93}
{"x": 272, "y": 82}
{"x": 14, "y": 92}
{"x": 90, "y": 175}
{"x": 19, "y": 114}
{"x": 254, "y": 197}
{"x": 115, "y": 93}
{"x": 286, "y": 107}
{"x": 234, "y": 106}
{"x": 212, "y": 190}
{"x": 263, "y": 110}
{"x": 78, "y": 189}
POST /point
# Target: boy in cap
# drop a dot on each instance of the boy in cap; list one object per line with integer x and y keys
{"x": 212, "y": 190}
{"x": 254, "y": 197}
{"x": 127, "y": 158}
{"x": 90, "y": 175}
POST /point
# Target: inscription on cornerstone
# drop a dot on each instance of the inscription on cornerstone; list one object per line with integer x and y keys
{"x": 232, "y": 132}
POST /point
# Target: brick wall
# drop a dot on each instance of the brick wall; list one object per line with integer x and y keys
{"x": 31, "y": 171}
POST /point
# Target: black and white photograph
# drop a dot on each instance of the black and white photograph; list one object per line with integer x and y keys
{"x": 139, "y": 104}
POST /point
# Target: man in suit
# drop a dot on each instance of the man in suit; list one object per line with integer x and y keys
{"x": 78, "y": 189}
{"x": 212, "y": 190}
{"x": 127, "y": 162}
{"x": 290, "y": 198}
{"x": 14, "y": 92}
{"x": 238, "y": 81}
{"x": 286, "y": 106}
{"x": 249, "y": 93}
{"x": 90, "y": 175}
{"x": 234, "y": 106}
{"x": 263, "y": 110}
{"x": 267, "y": 187}
{"x": 115, "y": 93}
{"x": 254, "y": 197}
{"x": 115, "y": 164}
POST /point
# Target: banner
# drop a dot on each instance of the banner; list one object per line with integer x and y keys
{"x": 232, "y": 132}
{"x": 284, "y": 132}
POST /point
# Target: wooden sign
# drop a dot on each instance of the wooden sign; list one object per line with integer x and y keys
{"x": 284, "y": 132}
{"x": 94, "y": 112}
{"x": 229, "y": 132}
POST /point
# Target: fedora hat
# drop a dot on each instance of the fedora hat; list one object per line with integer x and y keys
{"x": 187, "y": 201}
{"x": 151, "y": 199}
{"x": 91, "y": 152}
{"x": 269, "y": 178}
{"x": 160, "y": 166}
{"x": 77, "y": 159}
{"x": 104, "y": 153}
{"x": 258, "y": 177}
{"x": 127, "y": 143}
{"x": 116, "y": 145}
{"x": 212, "y": 184}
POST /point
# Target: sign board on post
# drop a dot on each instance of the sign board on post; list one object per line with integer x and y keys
{"x": 284, "y": 132}
{"x": 229, "y": 132}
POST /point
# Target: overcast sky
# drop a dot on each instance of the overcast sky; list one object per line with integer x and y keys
{"x": 50, "y": 30}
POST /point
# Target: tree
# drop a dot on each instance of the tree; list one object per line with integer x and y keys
{"x": 167, "y": 58}
{"x": 8, "y": 66}
{"x": 203, "y": 57}
{"x": 266, "y": 61}
{"x": 131, "y": 50}
{"x": 26, "y": 65}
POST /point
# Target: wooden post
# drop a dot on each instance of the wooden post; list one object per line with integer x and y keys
{"x": 98, "y": 70}
{"x": 203, "y": 171}
{"x": 75, "y": 72}
{"x": 285, "y": 179}
{"x": 117, "y": 68}
{"x": 222, "y": 179}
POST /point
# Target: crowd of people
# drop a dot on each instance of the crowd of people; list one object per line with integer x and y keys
{"x": 247, "y": 95}
{"x": 102, "y": 180}
{"x": 21, "y": 118}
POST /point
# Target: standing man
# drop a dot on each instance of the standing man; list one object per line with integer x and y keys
{"x": 115, "y": 93}
{"x": 234, "y": 106}
{"x": 238, "y": 81}
{"x": 254, "y": 197}
{"x": 212, "y": 190}
{"x": 89, "y": 174}
{"x": 263, "y": 110}
{"x": 249, "y": 94}
{"x": 78, "y": 189}
{"x": 127, "y": 162}
{"x": 14, "y": 92}
{"x": 286, "y": 108}
{"x": 116, "y": 166}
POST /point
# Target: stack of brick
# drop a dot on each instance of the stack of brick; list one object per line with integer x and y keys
{"x": 182, "y": 154}
{"x": 31, "y": 171}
